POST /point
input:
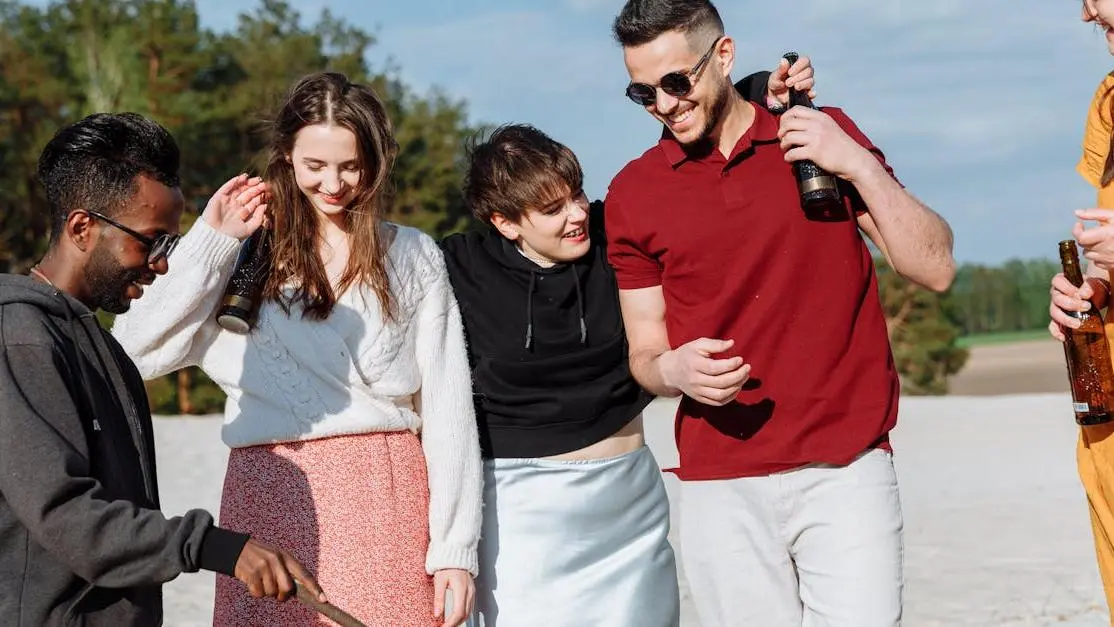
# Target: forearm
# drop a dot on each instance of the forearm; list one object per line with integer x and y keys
{"x": 166, "y": 329}
{"x": 916, "y": 240}
{"x": 46, "y": 480}
{"x": 646, "y": 367}
{"x": 450, "y": 437}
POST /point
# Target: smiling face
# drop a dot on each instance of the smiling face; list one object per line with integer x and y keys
{"x": 326, "y": 166}
{"x": 697, "y": 115}
{"x": 117, "y": 268}
{"x": 554, "y": 232}
{"x": 1101, "y": 13}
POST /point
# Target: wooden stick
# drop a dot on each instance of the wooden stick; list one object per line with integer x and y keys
{"x": 330, "y": 611}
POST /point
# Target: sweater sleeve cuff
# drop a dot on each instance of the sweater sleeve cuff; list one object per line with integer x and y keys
{"x": 220, "y": 550}
{"x": 442, "y": 557}
{"x": 207, "y": 246}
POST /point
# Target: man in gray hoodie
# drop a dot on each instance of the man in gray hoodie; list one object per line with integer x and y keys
{"x": 82, "y": 540}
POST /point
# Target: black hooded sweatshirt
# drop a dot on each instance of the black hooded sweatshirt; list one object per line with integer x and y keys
{"x": 547, "y": 346}
{"x": 82, "y": 541}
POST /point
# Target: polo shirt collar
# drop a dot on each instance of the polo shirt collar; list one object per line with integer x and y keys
{"x": 763, "y": 129}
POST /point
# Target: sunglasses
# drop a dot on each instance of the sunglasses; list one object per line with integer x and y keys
{"x": 158, "y": 248}
{"x": 676, "y": 84}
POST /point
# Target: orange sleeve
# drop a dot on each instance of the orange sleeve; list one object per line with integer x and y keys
{"x": 1106, "y": 197}
{"x": 1096, "y": 138}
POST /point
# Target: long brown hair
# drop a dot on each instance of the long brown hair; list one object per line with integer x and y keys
{"x": 329, "y": 98}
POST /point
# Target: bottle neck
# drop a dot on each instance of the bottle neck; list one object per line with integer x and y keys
{"x": 800, "y": 98}
{"x": 1072, "y": 271}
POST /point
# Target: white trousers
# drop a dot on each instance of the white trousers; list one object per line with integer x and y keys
{"x": 815, "y": 546}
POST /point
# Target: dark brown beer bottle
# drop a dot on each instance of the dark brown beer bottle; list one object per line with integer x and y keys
{"x": 1087, "y": 352}
{"x": 244, "y": 292}
{"x": 819, "y": 190}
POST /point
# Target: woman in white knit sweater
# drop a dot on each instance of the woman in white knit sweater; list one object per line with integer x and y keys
{"x": 349, "y": 412}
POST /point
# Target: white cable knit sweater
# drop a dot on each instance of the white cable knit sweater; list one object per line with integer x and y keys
{"x": 300, "y": 379}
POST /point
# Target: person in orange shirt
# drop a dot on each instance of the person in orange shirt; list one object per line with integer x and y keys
{"x": 1095, "y": 454}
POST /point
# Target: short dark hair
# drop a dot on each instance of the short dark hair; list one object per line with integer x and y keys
{"x": 516, "y": 169}
{"x": 93, "y": 164}
{"x": 642, "y": 21}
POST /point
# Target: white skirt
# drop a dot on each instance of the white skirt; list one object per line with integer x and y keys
{"x": 576, "y": 543}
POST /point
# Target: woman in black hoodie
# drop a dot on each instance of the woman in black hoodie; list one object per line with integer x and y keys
{"x": 575, "y": 512}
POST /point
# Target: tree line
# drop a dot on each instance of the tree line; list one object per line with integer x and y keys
{"x": 214, "y": 90}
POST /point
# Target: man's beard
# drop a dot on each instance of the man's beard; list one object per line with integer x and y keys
{"x": 107, "y": 281}
{"x": 716, "y": 110}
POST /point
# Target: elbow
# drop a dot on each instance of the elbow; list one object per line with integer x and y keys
{"x": 147, "y": 365}
{"x": 941, "y": 280}
{"x": 937, "y": 278}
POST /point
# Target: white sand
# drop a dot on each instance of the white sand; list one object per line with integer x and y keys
{"x": 995, "y": 520}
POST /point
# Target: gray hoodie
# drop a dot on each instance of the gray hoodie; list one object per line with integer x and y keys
{"x": 82, "y": 541}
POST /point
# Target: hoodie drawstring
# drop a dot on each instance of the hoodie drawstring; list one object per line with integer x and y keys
{"x": 530, "y": 310}
{"x": 580, "y": 306}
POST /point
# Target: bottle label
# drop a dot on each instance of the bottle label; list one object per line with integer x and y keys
{"x": 1081, "y": 407}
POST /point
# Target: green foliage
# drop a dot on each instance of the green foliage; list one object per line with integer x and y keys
{"x": 204, "y": 395}
{"x": 1012, "y": 297}
{"x": 922, "y": 334}
{"x": 213, "y": 91}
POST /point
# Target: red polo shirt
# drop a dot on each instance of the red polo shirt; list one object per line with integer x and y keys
{"x": 737, "y": 258}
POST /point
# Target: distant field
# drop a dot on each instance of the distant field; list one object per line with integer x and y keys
{"x": 1031, "y": 365}
{"x": 1002, "y": 338}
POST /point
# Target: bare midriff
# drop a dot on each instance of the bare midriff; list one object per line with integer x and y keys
{"x": 629, "y": 438}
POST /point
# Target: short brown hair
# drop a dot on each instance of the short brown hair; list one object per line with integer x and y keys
{"x": 516, "y": 169}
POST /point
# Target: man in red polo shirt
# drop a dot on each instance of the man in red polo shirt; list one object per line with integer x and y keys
{"x": 770, "y": 326}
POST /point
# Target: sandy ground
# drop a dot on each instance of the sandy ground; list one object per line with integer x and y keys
{"x": 1030, "y": 367}
{"x": 995, "y": 521}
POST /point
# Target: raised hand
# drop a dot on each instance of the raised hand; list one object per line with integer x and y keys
{"x": 239, "y": 207}
{"x": 1096, "y": 241}
{"x": 799, "y": 76}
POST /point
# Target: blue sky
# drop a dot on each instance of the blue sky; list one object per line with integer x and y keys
{"x": 978, "y": 104}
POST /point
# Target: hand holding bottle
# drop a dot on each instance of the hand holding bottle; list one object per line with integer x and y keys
{"x": 239, "y": 207}
{"x": 1067, "y": 298}
{"x": 1086, "y": 350}
{"x": 693, "y": 370}
{"x": 812, "y": 135}
{"x": 786, "y": 76}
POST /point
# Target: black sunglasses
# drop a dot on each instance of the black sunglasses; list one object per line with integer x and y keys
{"x": 676, "y": 84}
{"x": 157, "y": 247}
